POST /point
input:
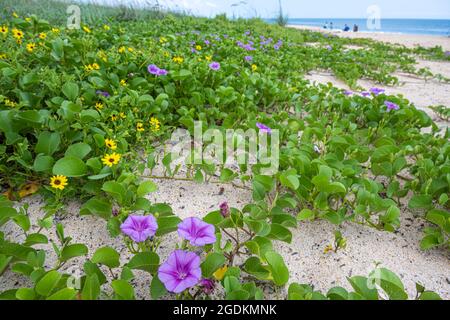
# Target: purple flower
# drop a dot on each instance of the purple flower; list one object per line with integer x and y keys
{"x": 276, "y": 47}
{"x": 139, "y": 228}
{"x": 329, "y": 48}
{"x": 162, "y": 72}
{"x": 208, "y": 285}
{"x": 447, "y": 53}
{"x": 197, "y": 232}
{"x": 180, "y": 271}
{"x": 348, "y": 93}
{"x": 263, "y": 128}
{"x": 365, "y": 94}
{"x": 207, "y": 42}
{"x": 224, "y": 209}
{"x": 153, "y": 69}
{"x": 215, "y": 66}
{"x": 377, "y": 91}
{"x": 248, "y": 58}
{"x": 103, "y": 93}
{"x": 391, "y": 106}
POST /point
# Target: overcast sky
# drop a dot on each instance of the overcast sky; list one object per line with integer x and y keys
{"x": 416, "y": 9}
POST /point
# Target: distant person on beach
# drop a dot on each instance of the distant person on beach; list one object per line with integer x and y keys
{"x": 331, "y": 25}
{"x": 355, "y": 28}
{"x": 325, "y": 25}
{"x": 346, "y": 28}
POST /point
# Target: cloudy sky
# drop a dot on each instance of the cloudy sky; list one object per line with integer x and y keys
{"x": 429, "y": 9}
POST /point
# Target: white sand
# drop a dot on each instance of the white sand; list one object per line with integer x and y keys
{"x": 394, "y": 38}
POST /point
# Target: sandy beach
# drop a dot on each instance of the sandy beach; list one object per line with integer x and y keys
{"x": 407, "y": 40}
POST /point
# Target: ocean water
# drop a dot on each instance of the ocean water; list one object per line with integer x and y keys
{"x": 408, "y": 26}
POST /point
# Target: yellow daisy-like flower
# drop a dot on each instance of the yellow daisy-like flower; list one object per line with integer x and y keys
{"x": 140, "y": 127}
{"x": 55, "y": 30}
{"x": 154, "y": 124}
{"x": 4, "y": 30}
{"x": 95, "y": 66}
{"x": 18, "y": 34}
{"x": 122, "y": 115}
{"x": 123, "y": 82}
{"x": 113, "y": 117}
{"x": 10, "y": 103}
{"x": 111, "y": 144}
{"x": 121, "y": 49}
{"x": 328, "y": 248}
{"x": 2, "y": 56}
{"x": 162, "y": 40}
{"x": 208, "y": 58}
{"x": 88, "y": 67}
{"x": 198, "y": 47}
{"x": 58, "y": 182}
{"x": 42, "y": 35}
{"x": 254, "y": 67}
{"x": 178, "y": 60}
{"x": 106, "y": 27}
{"x": 15, "y": 15}
{"x": 99, "y": 106}
{"x": 86, "y": 29}
{"x": 31, "y": 47}
{"x": 111, "y": 159}
{"x": 130, "y": 49}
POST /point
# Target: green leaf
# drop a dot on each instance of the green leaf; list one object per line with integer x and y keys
{"x": 305, "y": 214}
{"x": 167, "y": 224}
{"x": 429, "y": 295}
{"x": 420, "y": 201}
{"x": 106, "y": 256}
{"x": 147, "y": 261}
{"x": 25, "y": 294}
{"x": 123, "y": 290}
{"x": 212, "y": 262}
{"x": 70, "y": 90}
{"x": 70, "y": 167}
{"x": 390, "y": 283}
{"x": 279, "y": 232}
{"x": 91, "y": 288}
{"x": 279, "y": 271}
{"x": 47, "y": 283}
{"x": 360, "y": 285}
{"x": 48, "y": 143}
{"x": 43, "y": 163}
{"x": 64, "y": 294}
{"x": 72, "y": 251}
{"x": 157, "y": 288}
{"x": 116, "y": 190}
{"x": 78, "y": 150}
{"x": 97, "y": 206}
{"x": 146, "y": 187}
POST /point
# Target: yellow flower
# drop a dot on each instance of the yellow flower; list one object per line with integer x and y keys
{"x": 254, "y": 67}
{"x": 111, "y": 144}
{"x": 2, "y": 56}
{"x": 31, "y": 47}
{"x": 110, "y": 159}
{"x": 106, "y": 27}
{"x": 162, "y": 40}
{"x": 10, "y": 103}
{"x": 130, "y": 49}
{"x": 17, "y": 33}
{"x": 86, "y": 29}
{"x": 113, "y": 117}
{"x": 198, "y": 47}
{"x": 122, "y": 115}
{"x": 208, "y": 58}
{"x": 154, "y": 124}
{"x": 58, "y": 182}
{"x": 95, "y": 66}
{"x": 88, "y": 67}
{"x": 220, "y": 273}
{"x": 15, "y": 15}
{"x": 121, "y": 49}
{"x": 178, "y": 60}
{"x": 55, "y": 30}
{"x": 166, "y": 54}
{"x": 123, "y": 82}
{"x": 140, "y": 127}
{"x": 4, "y": 30}
{"x": 27, "y": 19}
{"x": 99, "y": 106}
{"x": 42, "y": 35}
{"x": 328, "y": 248}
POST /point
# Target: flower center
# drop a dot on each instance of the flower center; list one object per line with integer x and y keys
{"x": 182, "y": 275}
{"x": 57, "y": 182}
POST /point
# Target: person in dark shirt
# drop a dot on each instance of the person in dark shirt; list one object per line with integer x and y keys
{"x": 355, "y": 28}
{"x": 346, "y": 28}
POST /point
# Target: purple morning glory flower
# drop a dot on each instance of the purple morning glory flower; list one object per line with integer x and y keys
{"x": 181, "y": 271}
{"x": 224, "y": 209}
{"x": 329, "y": 48}
{"x": 153, "y": 69}
{"x": 208, "y": 285}
{"x": 348, "y": 93}
{"x": 248, "y": 58}
{"x": 215, "y": 66}
{"x": 162, "y": 72}
{"x": 197, "y": 232}
{"x": 365, "y": 94}
{"x": 103, "y": 93}
{"x": 207, "y": 42}
{"x": 276, "y": 47}
{"x": 391, "y": 106}
{"x": 263, "y": 128}
{"x": 377, "y": 91}
{"x": 139, "y": 228}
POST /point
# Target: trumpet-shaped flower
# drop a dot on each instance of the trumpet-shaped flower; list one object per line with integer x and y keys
{"x": 197, "y": 232}
{"x": 181, "y": 271}
{"x": 139, "y": 228}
